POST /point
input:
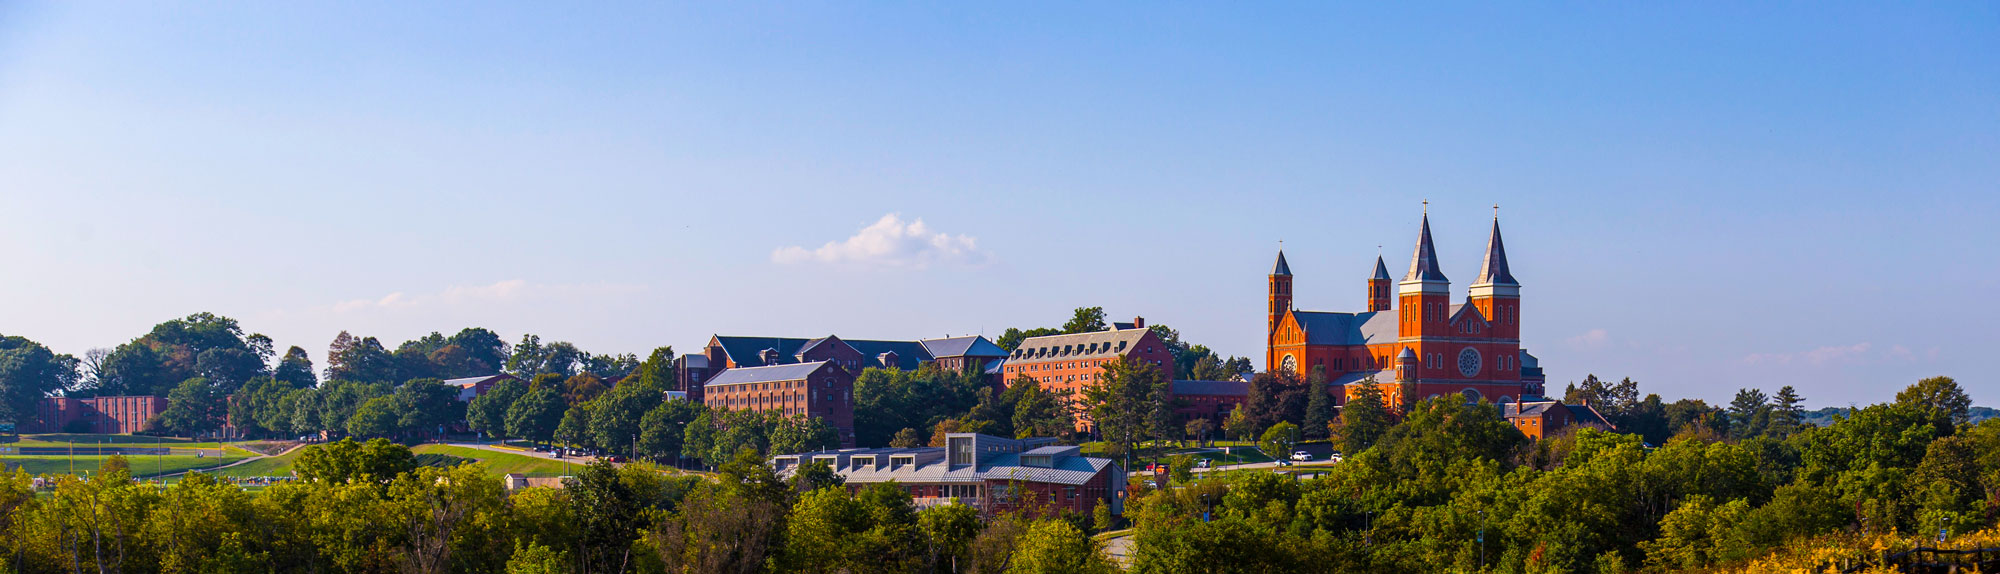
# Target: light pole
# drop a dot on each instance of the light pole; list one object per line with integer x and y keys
{"x": 1482, "y": 540}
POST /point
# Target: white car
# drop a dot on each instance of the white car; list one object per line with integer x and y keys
{"x": 1300, "y": 455}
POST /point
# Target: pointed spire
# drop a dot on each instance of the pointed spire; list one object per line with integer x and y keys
{"x": 1281, "y": 268}
{"x": 1424, "y": 264}
{"x": 1494, "y": 271}
{"x": 1381, "y": 270}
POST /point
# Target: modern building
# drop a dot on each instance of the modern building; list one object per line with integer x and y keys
{"x": 820, "y": 389}
{"x": 1539, "y": 418}
{"x": 108, "y": 415}
{"x": 1415, "y": 343}
{"x": 471, "y": 387}
{"x": 990, "y": 473}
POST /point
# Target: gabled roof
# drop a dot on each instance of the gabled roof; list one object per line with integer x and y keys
{"x": 1281, "y": 268}
{"x": 815, "y": 343}
{"x": 1424, "y": 264}
{"x": 1463, "y": 311}
{"x": 1527, "y": 409}
{"x": 1092, "y": 344}
{"x": 909, "y": 354}
{"x": 973, "y": 346}
{"x": 1328, "y": 328}
{"x": 1494, "y": 271}
{"x": 744, "y": 350}
{"x": 792, "y": 372}
{"x": 1587, "y": 415}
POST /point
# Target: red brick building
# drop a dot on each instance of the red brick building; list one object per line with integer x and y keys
{"x": 818, "y": 389}
{"x": 107, "y": 415}
{"x": 989, "y": 473}
{"x": 1074, "y": 361}
{"x": 1212, "y": 400}
{"x": 1417, "y": 344}
{"x": 1538, "y": 419}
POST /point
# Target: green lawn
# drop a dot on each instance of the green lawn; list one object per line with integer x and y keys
{"x": 142, "y": 466}
{"x": 89, "y": 440}
{"x": 500, "y": 463}
{"x": 280, "y": 465}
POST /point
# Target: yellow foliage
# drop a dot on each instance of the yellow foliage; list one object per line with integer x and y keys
{"x": 1827, "y": 554}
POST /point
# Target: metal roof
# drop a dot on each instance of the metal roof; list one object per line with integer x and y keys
{"x": 1212, "y": 388}
{"x": 1495, "y": 269}
{"x": 744, "y": 350}
{"x": 469, "y": 381}
{"x": 792, "y": 372}
{"x": 973, "y": 346}
{"x": 1281, "y": 268}
{"x": 1424, "y": 264}
{"x": 1329, "y": 328}
{"x": 1381, "y": 270}
{"x": 1055, "y": 347}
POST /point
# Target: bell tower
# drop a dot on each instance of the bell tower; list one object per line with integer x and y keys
{"x": 1378, "y": 288}
{"x": 1423, "y": 302}
{"x": 1281, "y": 295}
{"x": 1495, "y": 293}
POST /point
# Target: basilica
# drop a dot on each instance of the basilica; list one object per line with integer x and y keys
{"x": 1412, "y": 339}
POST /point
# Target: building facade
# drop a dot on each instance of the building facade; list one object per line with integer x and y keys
{"x": 989, "y": 473}
{"x": 1074, "y": 361}
{"x": 821, "y": 389}
{"x": 1414, "y": 341}
{"x": 1212, "y": 400}
{"x": 104, "y": 415}
{"x": 1538, "y": 419}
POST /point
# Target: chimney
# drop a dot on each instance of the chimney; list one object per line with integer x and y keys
{"x": 1138, "y": 322}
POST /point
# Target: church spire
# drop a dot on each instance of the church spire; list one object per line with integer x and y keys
{"x": 1281, "y": 268}
{"x": 1381, "y": 270}
{"x": 1424, "y": 264}
{"x": 1494, "y": 271}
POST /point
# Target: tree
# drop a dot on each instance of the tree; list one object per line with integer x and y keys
{"x": 663, "y": 428}
{"x": 617, "y": 415}
{"x": 377, "y": 461}
{"x": 1198, "y": 429}
{"x": 1319, "y": 405}
{"x": 1946, "y": 402}
{"x": 1278, "y": 440}
{"x": 575, "y": 426}
{"x": 485, "y": 352}
{"x": 1038, "y": 412}
{"x": 426, "y": 405}
{"x": 1056, "y": 546}
{"x": 609, "y": 513}
{"x": 1085, "y": 320}
{"x": 948, "y": 530}
{"x": 656, "y": 371}
{"x": 296, "y": 368}
{"x": 1749, "y": 413}
{"x": 536, "y": 415}
{"x": 907, "y": 438}
{"x": 364, "y": 360}
{"x": 1275, "y": 397}
{"x": 487, "y": 412}
{"x": 28, "y": 373}
{"x": 379, "y": 417}
{"x": 1239, "y": 425}
{"x": 1365, "y": 418}
{"x": 802, "y": 433}
{"x": 1123, "y": 401}
{"x": 193, "y": 408}
{"x": 1786, "y": 412}
{"x": 1011, "y": 338}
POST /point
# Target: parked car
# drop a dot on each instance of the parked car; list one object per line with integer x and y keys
{"x": 1301, "y": 455}
{"x": 1203, "y": 463}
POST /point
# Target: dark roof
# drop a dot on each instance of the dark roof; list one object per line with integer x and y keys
{"x": 1586, "y": 415}
{"x": 744, "y": 350}
{"x": 1381, "y": 270}
{"x": 790, "y": 372}
{"x": 1328, "y": 328}
{"x": 469, "y": 381}
{"x": 1424, "y": 264}
{"x": 1212, "y": 388}
{"x": 1281, "y": 268}
{"x": 1495, "y": 270}
{"x": 974, "y": 346}
{"x": 1527, "y": 409}
{"x": 1095, "y": 344}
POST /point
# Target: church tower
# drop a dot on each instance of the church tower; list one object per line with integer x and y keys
{"x": 1281, "y": 294}
{"x": 1424, "y": 302}
{"x": 1496, "y": 294}
{"x": 1378, "y": 288}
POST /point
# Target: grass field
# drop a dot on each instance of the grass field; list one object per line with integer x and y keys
{"x": 499, "y": 463}
{"x": 280, "y": 465}
{"x": 88, "y": 440}
{"x": 142, "y": 466}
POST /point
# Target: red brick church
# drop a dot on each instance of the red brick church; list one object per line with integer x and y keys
{"x": 1415, "y": 342}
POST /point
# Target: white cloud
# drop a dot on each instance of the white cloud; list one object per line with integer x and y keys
{"x": 1819, "y": 356}
{"x": 1593, "y": 339}
{"x": 890, "y": 242}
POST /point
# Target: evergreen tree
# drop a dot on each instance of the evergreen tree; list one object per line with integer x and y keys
{"x": 296, "y": 368}
{"x": 1749, "y": 413}
{"x": 1319, "y": 405}
{"x": 1786, "y": 412}
{"x": 1365, "y": 418}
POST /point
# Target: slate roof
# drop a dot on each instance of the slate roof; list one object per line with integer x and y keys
{"x": 1527, "y": 409}
{"x": 1051, "y": 347}
{"x": 1495, "y": 270}
{"x": 1281, "y": 268}
{"x": 1329, "y": 328}
{"x": 768, "y": 374}
{"x": 1585, "y": 415}
{"x": 909, "y": 354}
{"x": 744, "y": 350}
{"x": 1212, "y": 388}
{"x": 1386, "y": 377}
{"x": 1424, "y": 264}
{"x": 973, "y": 346}
{"x": 1381, "y": 270}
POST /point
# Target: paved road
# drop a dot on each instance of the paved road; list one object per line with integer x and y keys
{"x": 1119, "y": 549}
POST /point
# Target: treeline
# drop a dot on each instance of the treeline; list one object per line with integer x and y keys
{"x": 366, "y": 508}
{"x": 1454, "y": 487}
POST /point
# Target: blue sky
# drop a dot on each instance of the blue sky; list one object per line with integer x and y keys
{"x": 1699, "y": 196}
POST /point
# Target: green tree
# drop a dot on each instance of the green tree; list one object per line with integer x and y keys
{"x": 377, "y": 461}
{"x": 28, "y": 373}
{"x": 948, "y": 532}
{"x": 487, "y": 412}
{"x": 426, "y": 405}
{"x": 800, "y": 433}
{"x": 1085, "y": 320}
{"x": 193, "y": 408}
{"x": 379, "y": 417}
{"x": 536, "y": 415}
{"x": 1749, "y": 413}
{"x": 1319, "y": 405}
{"x": 1278, "y": 440}
{"x": 1365, "y": 418}
{"x": 663, "y": 428}
{"x": 1940, "y": 397}
{"x": 531, "y": 558}
{"x": 575, "y": 426}
{"x": 1011, "y": 338}
{"x": 1123, "y": 401}
{"x": 1786, "y": 412}
{"x": 359, "y": 359}
{"x": 1057, "y": 547}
